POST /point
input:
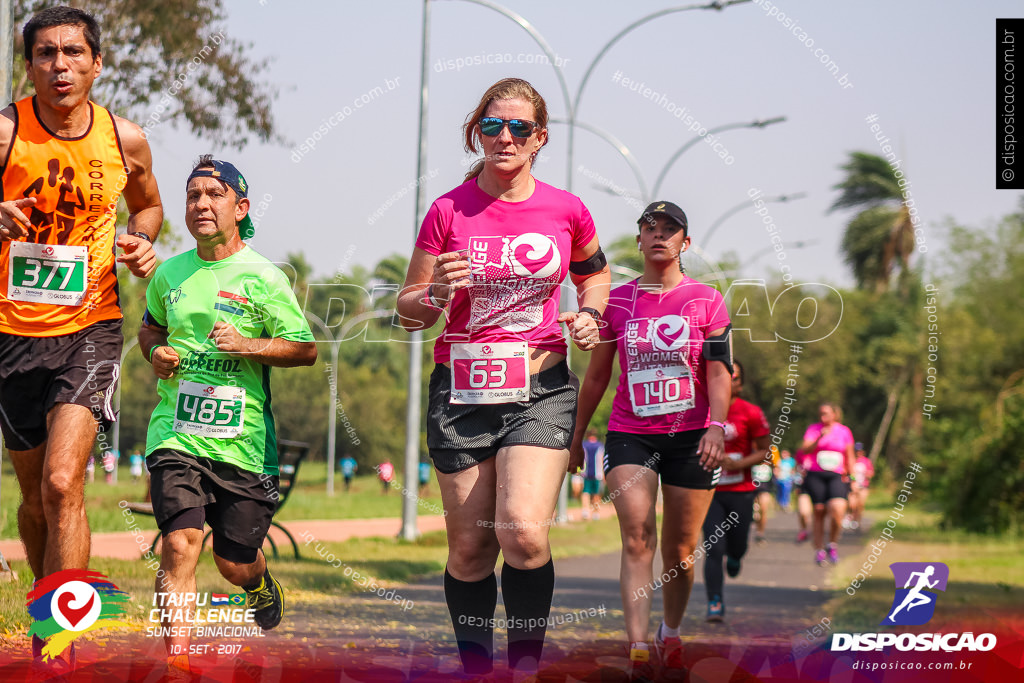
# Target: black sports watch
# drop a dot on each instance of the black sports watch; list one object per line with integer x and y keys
{"x": 592, "y": 312}
{"x": 142, "y": 235}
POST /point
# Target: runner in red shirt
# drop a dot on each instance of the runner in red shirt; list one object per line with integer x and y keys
{"x": 746, "y": 447}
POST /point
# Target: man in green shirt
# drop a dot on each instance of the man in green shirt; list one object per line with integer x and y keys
{"x": 217, "y": 319}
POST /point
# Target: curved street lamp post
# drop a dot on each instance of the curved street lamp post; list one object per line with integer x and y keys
{"x": 335, "y": 345}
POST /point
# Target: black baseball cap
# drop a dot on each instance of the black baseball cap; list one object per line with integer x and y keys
{"x": 227, "y": 173}
{"x": 665, "y": 209}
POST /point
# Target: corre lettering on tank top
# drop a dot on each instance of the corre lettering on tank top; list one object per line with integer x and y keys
{"x": 61, "y": 279}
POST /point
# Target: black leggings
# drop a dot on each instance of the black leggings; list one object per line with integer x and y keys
{"x": 824, "y": 486}
{"x": 735, "y": 510}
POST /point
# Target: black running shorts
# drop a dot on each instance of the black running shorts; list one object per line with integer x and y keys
{"x": 673, "y": 456}
{"x": 37, "y": 373}
{"x": 824, "y": 486}
{"x": 239, "y": 504}
{"x": 462, "y": 436}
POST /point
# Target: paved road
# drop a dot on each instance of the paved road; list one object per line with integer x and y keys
{"x": 778, "y": 596}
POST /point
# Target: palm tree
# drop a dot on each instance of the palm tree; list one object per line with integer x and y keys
{"x": 880, "y": 237}
{"x": 878, "y": 240}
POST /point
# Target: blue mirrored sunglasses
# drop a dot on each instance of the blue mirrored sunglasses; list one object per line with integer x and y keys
{"x": 519, "y": 128}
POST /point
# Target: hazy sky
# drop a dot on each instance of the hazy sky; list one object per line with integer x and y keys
{"x": 925, "y": 68}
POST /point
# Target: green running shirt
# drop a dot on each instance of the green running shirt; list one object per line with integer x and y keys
{"x": 201, "y": 407}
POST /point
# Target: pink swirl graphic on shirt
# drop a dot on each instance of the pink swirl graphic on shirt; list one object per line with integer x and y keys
{"x": 671, "y": 332}
{"x": 534, "y": 256}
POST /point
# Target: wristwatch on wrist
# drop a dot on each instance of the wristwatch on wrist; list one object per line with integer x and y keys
{"x": 142, "y": 235}
{"x": 716, "y": 423}
{"x": 592, "y": 312}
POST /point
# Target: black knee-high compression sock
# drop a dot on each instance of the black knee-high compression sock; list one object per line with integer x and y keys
{"x": 527, "y": 597}
{"x": 471, "y": 605}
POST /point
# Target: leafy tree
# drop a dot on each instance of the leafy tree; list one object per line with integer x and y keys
{"x": 389, "y": 276}
{"x": 971, "y": 441}
{"x": 880, "y": 238}
{"x": 171, "y": 61}
{"x": 985, "y": 484}
{"x": 877, "y": 242}
{"x": 622, "y": 253}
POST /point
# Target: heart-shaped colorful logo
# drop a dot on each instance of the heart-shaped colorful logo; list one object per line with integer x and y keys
{"x": 72, "y": 614}
{"x": 76, "y": 606}
{"x": 70, "y": 602}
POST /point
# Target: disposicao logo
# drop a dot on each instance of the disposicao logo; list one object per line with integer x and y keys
{"x": 913, "y": 605}
{"x": 68, "y": 603}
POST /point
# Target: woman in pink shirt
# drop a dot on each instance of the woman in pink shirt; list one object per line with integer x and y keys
{"x": 668, "y": 421}
{"x": 492, "y": 255}
{"x": 828, "y": 449}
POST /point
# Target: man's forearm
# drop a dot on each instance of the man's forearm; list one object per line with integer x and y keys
{"x": 279, "y": 353}
{"x": 150, "y": 338}
{"x": 148, "y": 221}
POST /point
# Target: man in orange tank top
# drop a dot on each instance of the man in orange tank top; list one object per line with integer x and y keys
{"x": 64, "y": 162}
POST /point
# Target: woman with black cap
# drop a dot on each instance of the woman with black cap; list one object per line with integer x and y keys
{"x": 667, "y": 421}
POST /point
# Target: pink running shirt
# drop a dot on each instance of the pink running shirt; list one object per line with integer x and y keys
{"x": 660, "y": 342}
{"x": 864, "y": 470}
{"x": 823, "y": 458}
{"x": 519, "y": 253}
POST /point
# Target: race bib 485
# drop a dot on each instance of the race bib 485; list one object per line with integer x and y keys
{"x": 207, "y": 410}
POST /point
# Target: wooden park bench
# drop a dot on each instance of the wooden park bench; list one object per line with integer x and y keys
{"x": 290, "y": 455}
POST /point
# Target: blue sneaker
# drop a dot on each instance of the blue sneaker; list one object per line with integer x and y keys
{"x": 732, "y": 567}
{"x": 716, "y": 609}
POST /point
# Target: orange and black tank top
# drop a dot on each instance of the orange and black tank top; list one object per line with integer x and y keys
{"x": 61, "y": 279}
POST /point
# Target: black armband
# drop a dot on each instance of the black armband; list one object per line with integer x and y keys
{"x": 720, "y": 348}
{"x": 594, "y": 264}
{"x": 147, "y": 319}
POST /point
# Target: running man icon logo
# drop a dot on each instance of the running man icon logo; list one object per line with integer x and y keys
{"x": 914, "y": 602}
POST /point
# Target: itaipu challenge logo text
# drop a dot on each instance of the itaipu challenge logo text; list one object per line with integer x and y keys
{"x": 68, "y": 603}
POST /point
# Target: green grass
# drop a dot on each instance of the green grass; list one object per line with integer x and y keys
{"x": 308, "y": 500}
{"x": 310, "y": 580}
{"x": 100, "y": 502}
{"x": 986, "y": 573}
